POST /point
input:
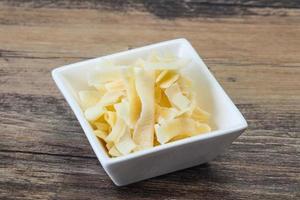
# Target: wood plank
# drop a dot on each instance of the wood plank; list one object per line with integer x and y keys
{"x": 45, "y": 124}
{"x": 60, "y": 177}
{"x": 172, "y": 9}
{"x": 252, "y": 45}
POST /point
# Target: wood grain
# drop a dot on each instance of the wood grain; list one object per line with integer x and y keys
{"x": 252, "y": 47}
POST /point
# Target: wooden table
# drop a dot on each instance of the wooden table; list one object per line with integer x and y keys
{"x": 252, "y": 47}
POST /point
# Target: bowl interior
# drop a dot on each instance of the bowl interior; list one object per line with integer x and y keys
{"x": 210, "y": 96}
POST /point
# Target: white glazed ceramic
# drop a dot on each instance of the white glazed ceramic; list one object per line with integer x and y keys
{"x": 228, "y": 122}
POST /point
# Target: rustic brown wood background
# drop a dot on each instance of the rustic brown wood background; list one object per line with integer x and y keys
{"x": 252, "y": 47}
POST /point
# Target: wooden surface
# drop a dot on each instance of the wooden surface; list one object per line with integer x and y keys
{"x": 252, "y": 47}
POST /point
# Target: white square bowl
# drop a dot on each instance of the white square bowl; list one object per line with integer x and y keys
{"x": 228, "y": 123}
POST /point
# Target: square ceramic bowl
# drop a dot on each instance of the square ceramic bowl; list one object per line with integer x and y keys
{"x": 227, "y": 122}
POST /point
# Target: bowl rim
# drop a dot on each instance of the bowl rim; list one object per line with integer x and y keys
{"x": 102, "y": 156}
